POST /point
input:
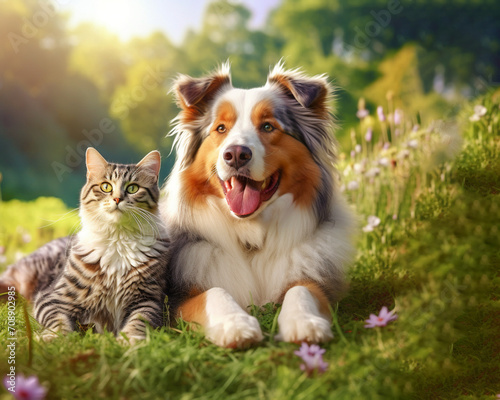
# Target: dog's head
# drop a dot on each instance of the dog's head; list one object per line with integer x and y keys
{"x": 251, "y": 146}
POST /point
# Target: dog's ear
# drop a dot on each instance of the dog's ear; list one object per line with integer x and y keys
{"x": 309, "y": 92}
{"x": 195, "y": 93}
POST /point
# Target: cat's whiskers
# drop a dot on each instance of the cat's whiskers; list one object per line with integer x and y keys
{"x": 147, "y": 217}
{"x": 63, "y": 217}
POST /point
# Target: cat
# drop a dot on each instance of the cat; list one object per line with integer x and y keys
{"x": 112, "y": 272}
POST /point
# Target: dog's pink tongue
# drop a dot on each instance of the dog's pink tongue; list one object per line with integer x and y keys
{"x": 243, "y": 198}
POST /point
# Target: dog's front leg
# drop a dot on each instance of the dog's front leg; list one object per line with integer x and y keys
{"x": 225, "y": 323}
{"x": 304, "y": 315}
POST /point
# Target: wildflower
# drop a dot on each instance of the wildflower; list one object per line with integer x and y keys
{"x": 26, "y": 237}
{"x": 369, "y": 134}
{"x": 25, "y": 388}
{"x": 18, "y": 255}
{"x": 394, "y": 217}
{"x": 362, "y": 113}
{"x": 359, "y": 168}
{"x": 403, "y": 154}
{"x": 380, "y": 114}
{"x": 387, "y": 145}
{"x": 353, "y": 154}
{"x": 312, "y": 357}
{"x": 384, "y": 162}
{"x": 357, "y": 148}
{"x": 415, "y": 128}
{"x": 353, "y": 185}
{"x": 372, "y": 172}
{"x": 398, "y": 116}
{"x": 412, "y": 144}
{"x": 382, "y": 319}
{"x": 373, "y": 222}
{"x": 479, "y": 112}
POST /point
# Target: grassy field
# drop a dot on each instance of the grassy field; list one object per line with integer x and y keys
{"x": 432, "y": 253}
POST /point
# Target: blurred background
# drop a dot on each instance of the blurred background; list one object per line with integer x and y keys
{"x": 79, "y": 73}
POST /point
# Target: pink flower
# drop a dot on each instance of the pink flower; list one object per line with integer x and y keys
{"x": 398, "y": 116}
{"x": 380, "y": 113}
{"x": 312, "y": 357}
{"x": 25, "y": 388}
{"x": 382, "y": 319}
{"x": 363, "y": 113}
{"x": 369, "y": 134}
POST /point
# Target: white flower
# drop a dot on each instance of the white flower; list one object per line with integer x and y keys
{"x": 412, "y": 144}
{"x": 403, "y": 154}
{"x": 384, "y": 162}
{"x": 373, "y": 172}
{"x": 18, "y": 255}
{"x": 359, "y": 168}
{"x": 373, "y": 222}
{"x": 26, "y": 237}
{"x": 479, "y": 111}
{"x": 357, "y": 148}
{"x": 353, "y": 185}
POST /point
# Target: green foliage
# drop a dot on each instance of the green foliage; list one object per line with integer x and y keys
{"x": 436, "y": 262}
{"x": 59, "y": 84}
{"x": 27, "y": 225}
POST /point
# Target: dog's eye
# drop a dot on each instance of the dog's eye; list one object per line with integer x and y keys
{"x": 267, "y": 127}
{"x": 221, "y": 128}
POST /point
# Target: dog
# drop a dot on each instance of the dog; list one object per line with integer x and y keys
{"x": 253, "y": 207}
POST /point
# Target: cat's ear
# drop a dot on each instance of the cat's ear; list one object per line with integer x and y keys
{"x": 151, "y": 163}
{"x": 95, "y": 162}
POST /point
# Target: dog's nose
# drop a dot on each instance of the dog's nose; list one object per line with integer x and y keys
{"x": 237, "y": 156}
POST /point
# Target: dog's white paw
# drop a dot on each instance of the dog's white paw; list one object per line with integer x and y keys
{"x": 300, "y": 319}
{"x": 303, "y": 328}
{"x": 234, "y": 330}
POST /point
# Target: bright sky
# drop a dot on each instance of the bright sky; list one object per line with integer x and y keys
{"x": 141, "y": 17}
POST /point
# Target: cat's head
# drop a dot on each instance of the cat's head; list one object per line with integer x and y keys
{"x": 120, "y": 194}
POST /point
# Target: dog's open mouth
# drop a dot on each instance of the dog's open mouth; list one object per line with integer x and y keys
{"x": 244, "y": 196}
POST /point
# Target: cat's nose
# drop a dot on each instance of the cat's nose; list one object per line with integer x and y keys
{"x": 117, "y": 200}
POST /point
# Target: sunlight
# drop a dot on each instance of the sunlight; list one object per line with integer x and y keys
{"x": 125, "y": 21}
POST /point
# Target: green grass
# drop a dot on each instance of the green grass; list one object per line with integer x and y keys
{"x": 435, "y": 257}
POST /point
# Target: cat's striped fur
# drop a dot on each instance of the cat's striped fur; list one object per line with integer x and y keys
{"x": 37, "y": 271}
{"x": 114, "y": 273}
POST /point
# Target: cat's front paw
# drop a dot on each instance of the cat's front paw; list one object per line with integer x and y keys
{"x": 235, "y": 330}
{"x": 128, "y": 340}
{"x": 47, "y": 336}
{"x": 303, "y": 327}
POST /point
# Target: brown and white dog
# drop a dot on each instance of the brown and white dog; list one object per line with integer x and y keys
{"x": 253, "y": 207}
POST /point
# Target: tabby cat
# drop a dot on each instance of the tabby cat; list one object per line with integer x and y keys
{"x": 113, "y": 274}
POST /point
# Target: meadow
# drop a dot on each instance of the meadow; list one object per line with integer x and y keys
{"x": 428, "y": 248}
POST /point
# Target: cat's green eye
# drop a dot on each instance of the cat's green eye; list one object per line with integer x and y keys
{"x": 133, "y": 188}
{"x": 106, "y": 187}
